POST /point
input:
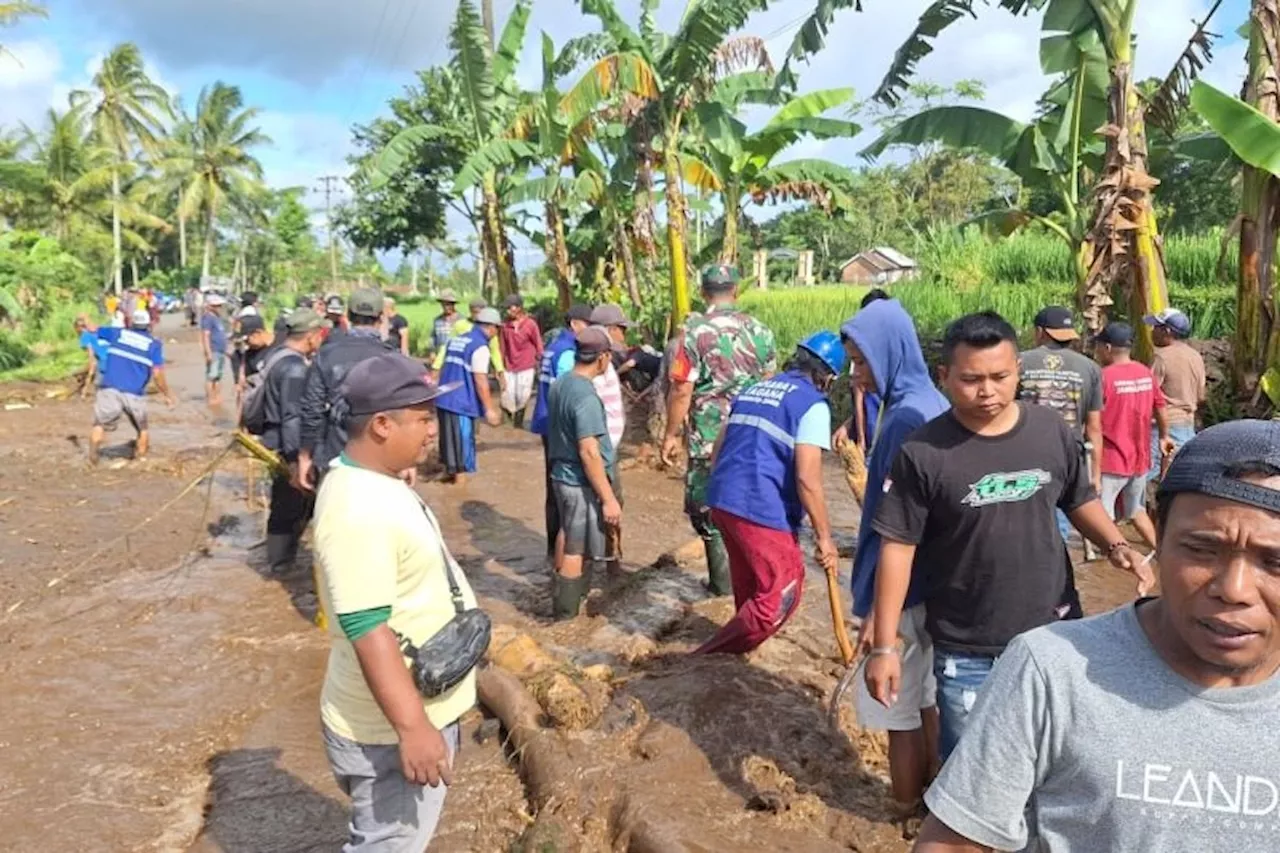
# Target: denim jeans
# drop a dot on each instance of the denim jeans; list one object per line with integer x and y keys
{"x": 1180, "y": 433}
{"x": 1064, "y": 526}
{"x": 960, "y": 676}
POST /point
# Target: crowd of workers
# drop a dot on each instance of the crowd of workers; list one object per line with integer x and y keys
{"x": 1129, "y": 731}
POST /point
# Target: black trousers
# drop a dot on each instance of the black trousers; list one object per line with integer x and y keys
{"x": 550, "y": 510}
{"x": 290, "y": 513}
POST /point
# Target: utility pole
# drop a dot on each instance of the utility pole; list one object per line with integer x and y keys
{"x": 328, "y": 181}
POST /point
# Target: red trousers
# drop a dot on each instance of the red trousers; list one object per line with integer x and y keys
{"x": 768, "y": 575}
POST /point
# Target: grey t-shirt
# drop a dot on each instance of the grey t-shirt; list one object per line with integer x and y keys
{"x": 1083, "y": 729}
{"x": 1064, "y": 380}
{"x": 574, "y": 412}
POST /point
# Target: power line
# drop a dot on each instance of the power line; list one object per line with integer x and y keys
{"x": 404, "y": 31}
{"x": 364, "y": 66}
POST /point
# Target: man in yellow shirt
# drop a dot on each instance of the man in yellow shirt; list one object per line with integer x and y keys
{"x": 382, "y": 575}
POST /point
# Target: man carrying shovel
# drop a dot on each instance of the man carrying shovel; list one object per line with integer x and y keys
{"x": 886, "y": 360}
{"x": 766, "y": 475}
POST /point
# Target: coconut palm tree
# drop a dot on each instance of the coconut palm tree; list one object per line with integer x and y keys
{"x": 215, "y": 153}
{"x": 126, "y": 109}
{"x": 13, "y": 12}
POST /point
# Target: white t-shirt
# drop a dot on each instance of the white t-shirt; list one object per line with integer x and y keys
{"x": 480, "y": 360}
{"x": 248, "y": 311}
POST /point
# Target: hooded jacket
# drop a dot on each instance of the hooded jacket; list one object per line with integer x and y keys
{"x": 886, "y": 336}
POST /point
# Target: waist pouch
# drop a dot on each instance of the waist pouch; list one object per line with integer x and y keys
{"x": 442, "y": 662}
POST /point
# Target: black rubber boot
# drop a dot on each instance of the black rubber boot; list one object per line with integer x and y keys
{"x": 567, "y": 596}
{"x": 719, "y": 580}
{"x": 282, "y": 549}
{"x": 518, "y": 419}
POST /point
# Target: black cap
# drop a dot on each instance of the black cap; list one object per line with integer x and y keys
{"x": 304, "y": 300}
{"x": 1058, "y": 323}
{"x": 578, "y": 312}
{"x": 388, "y": 382}
{"x": 593, "y": 341}
{"x": 249, "y": 324}
{"x": 248, "y": 298}
{"x": 1208, "y": 464}
{"x": 515, "y": 300}
{"x": 1116, "y": 334}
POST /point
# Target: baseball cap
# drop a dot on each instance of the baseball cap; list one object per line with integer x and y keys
{"x": 249, "y": 324}
{"x": 719, "y": 277}
{"x": 215, "y": 299}
{"x": 477, "y": 303}
{"x": 388, "y": 382}
{"x": 609, "y": 315}
{"x": 1172, "y": 319}
{"x": 447, "y": 295}
{"x": 304, "y": 300}
{"x": 1206, "y": 463}
{"x": 515, "y": 300}
{"x": 578, "y": 312}
{"x": 367, "y": 302}
{"x": 1058, "y": 323}
{"x": 248, "y": 298}
{"x": 303, "y": 320}
{"x": 489, "y": 317}
{"x": 594, "y": 340}
{"x": 1116, "y": 334}
{"x": 334, "y": 304}
{"x": 141, "y": 317}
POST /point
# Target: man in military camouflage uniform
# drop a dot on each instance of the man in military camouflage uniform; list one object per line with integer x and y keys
{"x": 717, "y": 355}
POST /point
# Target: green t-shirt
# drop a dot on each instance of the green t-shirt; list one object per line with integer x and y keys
{"x": 574, "y": 412}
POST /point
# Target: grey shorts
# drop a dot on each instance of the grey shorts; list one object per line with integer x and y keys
{"x": 581, "y": 520}
{"x": 389, "y": 814}
{"x": 213, "y": 370}
{"x": 1132, "y": 492}
{"x": 109, "y": 404}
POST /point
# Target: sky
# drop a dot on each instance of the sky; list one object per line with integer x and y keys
{"x": 316, "y": 67}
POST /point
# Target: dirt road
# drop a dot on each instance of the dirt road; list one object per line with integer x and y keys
{"x": 160, "y": 691}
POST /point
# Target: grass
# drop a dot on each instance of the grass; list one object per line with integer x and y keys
{"x": 55, "y": 365}
{"x": 46, "y": 351}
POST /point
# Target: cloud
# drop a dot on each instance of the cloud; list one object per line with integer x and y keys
{"x": 29, "y": 72}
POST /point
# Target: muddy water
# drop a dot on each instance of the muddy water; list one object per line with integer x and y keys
{"x": 162, "y": 694}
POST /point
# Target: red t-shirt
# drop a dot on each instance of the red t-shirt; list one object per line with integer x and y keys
{"x": 1130, "y": 396}
{"x": 521, "y": 343}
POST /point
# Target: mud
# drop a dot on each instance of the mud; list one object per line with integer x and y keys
{"x": 160, "y": 691}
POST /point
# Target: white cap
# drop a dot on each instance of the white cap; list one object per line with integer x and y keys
{"x": 141, "y": 317}
{"x": 215, "y": 299}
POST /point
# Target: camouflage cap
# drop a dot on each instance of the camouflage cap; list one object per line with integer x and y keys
{"x": 720, "y": 277}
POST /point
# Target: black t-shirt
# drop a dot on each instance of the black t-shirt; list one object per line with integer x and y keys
{"x": 981, "y": 512}
{"x": 396, "y": 327}
{"x": 254, "y": 359}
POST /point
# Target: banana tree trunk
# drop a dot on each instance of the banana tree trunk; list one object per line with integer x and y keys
{"x": 643, "y": 221}
{"x": 676, "y": 236}
{"x": 1257, "y": 338}
{"x": 117, "y": 253}
{"x": 501, "y": 256}
{"x": 622, "y": 248}
{"x": 1124, "y": 240}
{"x": 732, "y": 206}
{"x": 558, "y": 254}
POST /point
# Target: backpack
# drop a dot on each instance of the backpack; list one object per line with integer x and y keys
{"x": 253, "y": 413}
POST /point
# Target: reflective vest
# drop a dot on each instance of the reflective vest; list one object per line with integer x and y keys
{"x": 462, "y": 400}
{"x": 755, "y": 473}
{"x": 547, "y": 376}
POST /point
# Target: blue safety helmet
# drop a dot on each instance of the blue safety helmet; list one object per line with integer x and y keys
{"x": 828, "y": 348}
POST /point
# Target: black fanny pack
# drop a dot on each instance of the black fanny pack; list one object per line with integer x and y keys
{"x": 442, "y": 662}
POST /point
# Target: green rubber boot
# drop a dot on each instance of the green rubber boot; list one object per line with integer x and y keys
{"x": 719, "y": 580}
{"x": 567, "y": 595}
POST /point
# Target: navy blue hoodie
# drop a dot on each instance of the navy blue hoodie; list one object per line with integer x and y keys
{"x": 886, "y": 336}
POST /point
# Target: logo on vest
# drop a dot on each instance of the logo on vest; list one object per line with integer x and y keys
{"x": 1005, "y": 488}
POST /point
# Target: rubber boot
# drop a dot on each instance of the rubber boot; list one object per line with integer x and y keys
{"x": 567, "y": 596}
{"x": 518, "y": 419}
{"x": 282, "y": 548}
{"x": 720, "y": 581}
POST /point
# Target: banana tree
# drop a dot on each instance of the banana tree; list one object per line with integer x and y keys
{"x": 1252, "y": 129}
{"x": 738, "y": 164}
{"x": 490, "y": 98}
{"x": 669, "y": 76}
{"x": 1123, "y": 244}
{"x": 1052, "y": 153}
